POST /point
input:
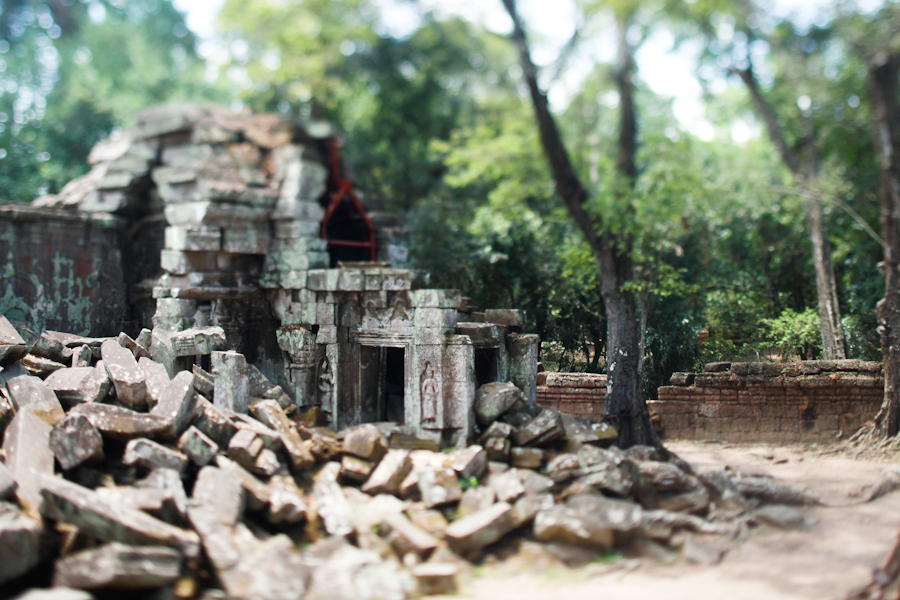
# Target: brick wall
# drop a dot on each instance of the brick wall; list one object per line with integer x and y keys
{"x": 579, "y": 394}
{"x": 770, "y": 402}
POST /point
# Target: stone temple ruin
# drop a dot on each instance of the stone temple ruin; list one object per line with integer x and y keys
{"x": 200, "y": 218}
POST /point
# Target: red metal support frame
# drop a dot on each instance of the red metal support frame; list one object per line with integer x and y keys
{"x": 344, "y": 187}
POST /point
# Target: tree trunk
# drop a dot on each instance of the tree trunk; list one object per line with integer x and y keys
{"x": 625, "y": 402}
{"x": 805, "y": 170}
{"x": 883, "y": 87}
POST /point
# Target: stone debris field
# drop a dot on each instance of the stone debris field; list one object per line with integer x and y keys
{"x": 117, "y": 475}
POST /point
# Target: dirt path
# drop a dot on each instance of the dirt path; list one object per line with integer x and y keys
{"x": 835, "y": 556}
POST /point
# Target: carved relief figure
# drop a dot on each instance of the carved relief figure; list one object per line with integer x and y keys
{"x": 326, "y": 384}
{"x": 428, "y": 388}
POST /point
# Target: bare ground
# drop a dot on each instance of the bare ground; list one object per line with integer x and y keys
{"x": 825, "y": 562}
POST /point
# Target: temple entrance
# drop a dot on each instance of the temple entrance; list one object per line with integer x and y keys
{"x": 487, "y": 366}
{"x": 382, "y": 382}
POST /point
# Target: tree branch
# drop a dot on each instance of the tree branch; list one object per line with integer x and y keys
{"x": 840, "y": 204}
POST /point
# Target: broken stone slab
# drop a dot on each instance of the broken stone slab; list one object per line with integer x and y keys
{"x": 7, "y": 483}
{"x": 365, "y": 441}
{"x": 79, "y": 384}
{"x": 494, "y": 399}
{"x": 695, "y": 500}
{"x": 270, "y": 413}
{"x": 244, "y": 447}
{"x": 498, "y": 449}
{"x": 28, "y": 391}
{"x": 132, "y": 346}
{"x": 271, "y": 438}
{"x": 498, "y": 429}
{"x": 169, "y": 482}
{"x": 74, "y": 441}
{"x": 127, "y": 377}
{"x": 471, "y": 534}
{"x": 526, "y": 458}
{"x": 527, "y": 507}
{"x": 546, "y": 428}
{"x": 214, "y": 423}
{"x": 150, "y": 455}
{"x": 204, "y": 382}
{"x": 355, "y": 469}
{"x": 770, "y": 491}
{"x": 71, "y": 503}
{"x": 40, "y": 366}
{"x": 156, "y": 379}
{"x": 468, "y": 462}
{"x": 220, "y": 492}
{"x": 52, "y": 345}
{"x": 439, "y": 487}
{"x": 161, "y": 503}
{"x": 435, "y": 578}
{"x": 177, "y": 404}
{"x": 271, "y": 569}
{"x": 118, "y": 566}
{"x": 20, "y": 542}
{"x": 82, "y": 356}
{"x": 405, "y": 537}
{"x": 12, "y": 345}
{"x": 267, "y": 464}
{"x": 166, "y": 346}
{"x": 26, "y": 445}
{"x": 507, "y": 486}
{"x": 197, "y": 446}
{"x": 353, "y": 574}
{"x": 333, "y": 508}
{"x": 232, "y": 381}
{"x": 476, "y": 499}
{"x": 119, "y": 422}
{"x": 258, "y": 493}
{"x": 286, "y": 504}
{"x": 389, "y": 474}
{"x": 664, "y": 477}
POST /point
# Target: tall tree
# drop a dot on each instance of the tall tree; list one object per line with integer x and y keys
{"x": 625, "y": 402}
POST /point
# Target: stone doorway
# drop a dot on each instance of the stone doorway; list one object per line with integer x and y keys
{"x": 382, "y": 381}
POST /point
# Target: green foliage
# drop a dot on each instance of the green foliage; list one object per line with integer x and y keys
{"x": 794, "y": 334}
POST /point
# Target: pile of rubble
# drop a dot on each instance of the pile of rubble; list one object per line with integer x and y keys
{"x": 117, "y": 476}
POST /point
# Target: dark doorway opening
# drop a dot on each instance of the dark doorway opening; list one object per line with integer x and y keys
{"x": 348, "y": 234}
{"x": 382, "y": 379}
{"x": 487, "y": 366}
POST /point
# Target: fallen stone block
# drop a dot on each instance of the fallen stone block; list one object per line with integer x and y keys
{"x": 353, "y": 574}
{"x": 119, "y": 422}
{"x": 26, "y": 445}
{"x": 389, "y": 474}
{"x": 160, "y": 503}
{"x": 333, "y": 508}
{"x": 79, "y": 384}
{"x": 526, "y": 458}
{"x": 723, "y": 491}
{"x": 132, "y": 346}
{"x": 169, "y": 482}
{"x": 546, "y": 428}
{"x": 267, "y": 464}
{"x": 439, "y": 487}
{"x": 507, "y": 486}
{"x": 156, "y": 378}
{"x": 476, "y": 499}
{"x": 774, "y": 492}
{"x": 286, "y": 504}
{"x": 664, "y": 477}
{"x": 28, "y": 391}
{"x": 71, "y": 503}
{"x": 126, "y": 376}
{"x": 564, "y": 524}
{"x": 494, "y": 399}
{"x": 82, "y": 356}
{"x": 220, "y": 492}
{"x": 232, "y": 381}
{"x": 214, "y": 423}
{"x": 20, "y": 542}
{"x": 355, "y": 469}
{"x": 527, "y": 507}
{"x": 270, "y": 413}
{"x": 258, "y": 493}
{"x": 177, "y": 404}
{"x": 366, "y": 442}
{"x": 167, "y": 346}
{"x": 435, "y": 578}
{"x": 468, "y": 462}
{"x": 118, "y": 566}
{"x": 151, "y": 455}
{"x": 75, "y": 441}
{"x": 8, "y": 484}
{"x": 197, "y": 446}
{"x": 40, "y": 366}
{"x": 498, "y": 449}
{"x": 471, "y": 534}
{"x": 271, "y": 569}
{"x": 405, "y": 537}
{"x": 244, "y": 447}
{"x": 783, "y": 517}
{"x": 498, "y": 429}
{"x": 12, "y": 345}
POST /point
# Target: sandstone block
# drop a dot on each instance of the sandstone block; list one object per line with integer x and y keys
{"x": 75, "y": 441}
{"x": 126, "y": 376}
{"x": 472, "y": 533}
{"x": 118, "y": 566}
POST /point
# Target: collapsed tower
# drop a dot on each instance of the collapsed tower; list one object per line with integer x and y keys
{"x": 202, "y": 218}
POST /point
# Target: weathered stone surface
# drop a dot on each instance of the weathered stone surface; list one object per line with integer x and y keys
{"x": 547, "y": 427}
{"x": 270, "y": 413}
{"x": 161, "y": 503}
{"x": 126, "y": 376}
{"x": 27, "y": 391}
{"x": 389, "y": 474}
{"x": 137, "y": 350}
{"x": 7, "y": 483}
{"x": 244, "y": 447}
{"x": 353, "y": 574}
{"x": 664, "y": 477}
{"x": 83, "y": 356}
{"x": 197, "y": 446}
{"x": 156, "y": 379}
{"x": 270, "y": 569}
{"x": 701, "y": 554}
{"x": 20, "y": 539}
{"x": 724, "y": 493}
{"x": 472, "y": 533}
{"x": 40, "y": 366}
{"x": 563, "y": 524}
{"x": 435, "y": 578}
{"x": 118, "y": 566}
{"x": 405, "y": 537}
{"x": 366, "y": 442}
{"x": 79, "y": 384}
{"x": 494, "y": 399}
{"x": 75, "y": 441}
{"x": 71, "y": 503}
{"x": 151, "y": 455}
{"x": 166, "y": 346}
{"x": 267, "y": 464}
{"x": 220, "y": 492}
{"x": 169, "y": 482}
{"x": 476, "y": 499}
{"x": 356, "y": 469}
{"x": 507, "y": 486}
{"x": 498, "y": 429}
{"x": 439, "y": 487}
{"x": 783, "y": 517}
{"x": 214, "y": 423}
{"x": 177, "y": 404}
{"x": 333, "y": 508}
{"x": 120, "y": 422}
{"x": 26, "y": 444}
{"x": 286, "y": 504}
{"x": 526, "y": 458}
{"x": 258, "y": 493}
{"x": 527, "y": 507}
{"x": 774, "y": 492}
{"x": 12, "y": 346}
{"x": 498, "y": 449}
{"x": 469, "y": 462}
{"x": 232, "y": 381}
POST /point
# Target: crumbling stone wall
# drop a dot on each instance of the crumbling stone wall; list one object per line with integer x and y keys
{"x": 62, "y": 271}
{"x": 771, "y": 402}
{"x": 578, "y": 394}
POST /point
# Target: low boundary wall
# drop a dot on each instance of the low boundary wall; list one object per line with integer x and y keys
{"x": 579, "y": 394}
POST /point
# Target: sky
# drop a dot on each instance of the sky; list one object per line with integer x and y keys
{"x": 666, "y": 72}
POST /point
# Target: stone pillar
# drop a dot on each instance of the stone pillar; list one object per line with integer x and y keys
{"x": 459, "y": 388}
{"x": 232, "y": 381}
{"x": 300, "y": 345}
{"x": 523, "y": 359}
